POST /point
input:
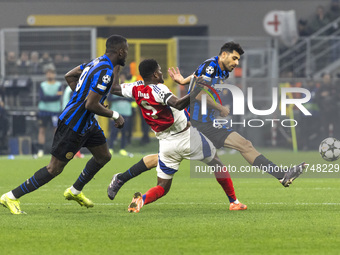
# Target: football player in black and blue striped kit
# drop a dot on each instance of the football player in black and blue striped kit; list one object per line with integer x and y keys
{"x": 216, "y": 70}
{"x": 77, "y": 126}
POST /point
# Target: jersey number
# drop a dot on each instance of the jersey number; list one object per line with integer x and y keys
{"x": 147, "y": 106}
{"x": 82, "y": 78}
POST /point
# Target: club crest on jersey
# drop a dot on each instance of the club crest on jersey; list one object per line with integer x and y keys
{"x": 106, "y": 79}
{"x": 145, "y": 95}
{"x": 209, "y": 70}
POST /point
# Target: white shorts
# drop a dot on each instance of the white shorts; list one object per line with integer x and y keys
{"x": 190, "y": 144}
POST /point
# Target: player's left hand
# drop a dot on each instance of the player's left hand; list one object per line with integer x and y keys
{"x": 175, "y": 75}
{"x": 119, "y": 123}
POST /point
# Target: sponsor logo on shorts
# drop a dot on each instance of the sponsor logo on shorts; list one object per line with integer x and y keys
{"x": 69, "y": 155}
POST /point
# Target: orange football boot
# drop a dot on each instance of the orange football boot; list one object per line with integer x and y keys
{"x": 237, "y": 207}
{"x": 136, "y": 203}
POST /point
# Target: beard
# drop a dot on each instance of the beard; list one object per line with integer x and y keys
{"x": 226, "y": 68}
{"x": 229, "y": 69}
{"x": 121, "y": 62}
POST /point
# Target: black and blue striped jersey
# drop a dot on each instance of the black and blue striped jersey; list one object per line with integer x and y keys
{"x": 97, "y": 76}
{"x": 211, "y": 69}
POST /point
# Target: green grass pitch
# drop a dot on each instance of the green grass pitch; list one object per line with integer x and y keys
{"x": 192, "y": 219}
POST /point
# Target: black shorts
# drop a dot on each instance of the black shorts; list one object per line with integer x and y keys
{"x": 67, "y": 142}
{"x": 216, "y": 135}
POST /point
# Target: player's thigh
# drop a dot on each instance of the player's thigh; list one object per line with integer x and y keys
{"x": 237, "y": 142}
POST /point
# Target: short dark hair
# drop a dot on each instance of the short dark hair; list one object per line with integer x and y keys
{"x": 147, "y": 67}
{"x": 230, "y": 47}
{"x": 114, "y": 43}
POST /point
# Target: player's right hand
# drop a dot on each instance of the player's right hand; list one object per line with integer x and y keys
{"x": 225, "y": 111}
{"x": 175, "y": 75}
{"x": 119, "y": 123}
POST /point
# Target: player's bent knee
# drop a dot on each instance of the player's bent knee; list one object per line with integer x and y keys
{"x": 56, "y": 166}
{"x": 246, "y": 145}
{"x": 55, "y": 171}
{"x": 104, "y": 159}
{"x": 249, "y": 144}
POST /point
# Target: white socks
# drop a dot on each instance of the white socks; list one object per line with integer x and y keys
{"x": 236, "y": 201}
{"x": 75, "y": 191}
{"x": 10, "y": 195}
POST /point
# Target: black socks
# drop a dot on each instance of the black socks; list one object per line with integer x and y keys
{"x": 134, "y": 171}
{"x": 91, "y": 168}
{"x": 266, "y": 165}
{"x": 40, "y": 178}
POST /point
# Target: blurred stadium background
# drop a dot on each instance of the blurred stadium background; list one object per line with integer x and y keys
{"x": 177, "y": 33}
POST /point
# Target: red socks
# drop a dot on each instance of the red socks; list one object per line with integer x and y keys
{"x": 225, "y": 181}
{"x": 222, "y": 177}
{"x": 153, "y": 194}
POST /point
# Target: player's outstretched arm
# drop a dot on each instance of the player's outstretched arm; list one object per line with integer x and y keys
{"x": 72, "y": 77}
{"x": 181, "y": 103}
{"x": 176, "y": 76}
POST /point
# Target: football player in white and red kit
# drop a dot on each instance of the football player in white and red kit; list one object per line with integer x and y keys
{"x": 163, "y": 112}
